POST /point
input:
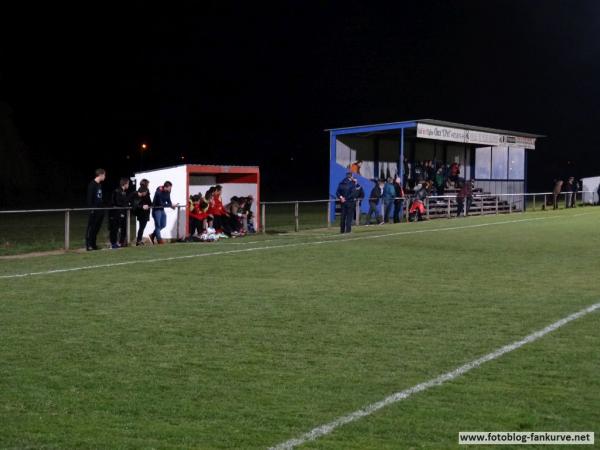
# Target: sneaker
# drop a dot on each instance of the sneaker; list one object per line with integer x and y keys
{"x": 114, "y": 246}
{"x": 152, "y": 237}
{"x": 138, "y": 243}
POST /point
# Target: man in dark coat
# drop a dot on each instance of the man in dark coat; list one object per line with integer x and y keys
{"x": 117, "y": 218}
{"x": 94, "y": 200}
{"x": 374, "y": 198}
{"x": 141, "y": 208}
{"x": 347, "y": 195}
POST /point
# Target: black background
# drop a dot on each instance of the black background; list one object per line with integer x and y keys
{"x": 257, "y": 83}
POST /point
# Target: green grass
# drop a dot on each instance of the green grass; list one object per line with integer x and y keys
{"x": 248, "y": 349}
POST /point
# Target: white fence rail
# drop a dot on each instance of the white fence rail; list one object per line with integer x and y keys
{"x": 296, "y": 215}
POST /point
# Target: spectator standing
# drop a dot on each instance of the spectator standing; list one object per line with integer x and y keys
{"x": 360, "y": 195}
{"x": 374, "y": 198}
{"x": 556, "y": 193}
{"x": 464, "y": 198}
{"x": 94, "y": 200}
{"x": 398, "y": 200}
{"x": 141, "y": 208}
{"x": 574, "y": 189}
{"x": 389, "y": 194}
{"x": 440, "y": 181}
{"x": 162, "y": 200}
{"x": 346, "y": 193}
{"x": 117, "y": 218}
{"x": 568, "y": 188}
{"x": 454, "y": 172}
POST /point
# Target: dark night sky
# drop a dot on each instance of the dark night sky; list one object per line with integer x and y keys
{"x": 239, "y": 83}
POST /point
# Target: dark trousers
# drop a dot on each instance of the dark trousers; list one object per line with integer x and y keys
{"x": 117, "y": 225}
{"x": 398, "y": 207}
{"x": 460, "y": 206}
{"x": 93, "y": 226}
{"x": 195, "y": 226}
{"x": 347, "y": 217}
{"x": 387, "y": 209}
{"x": 373, "y": 213}
{"x": 222, "y": 223}
{"x": 142, "y": 226}
{"x": 555, "y": 204}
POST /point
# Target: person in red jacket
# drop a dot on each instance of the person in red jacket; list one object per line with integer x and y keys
{"x": 198, "y": 214}
{"x": 219, "y": 213}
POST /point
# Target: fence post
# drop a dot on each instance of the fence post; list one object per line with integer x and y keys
{"x": 357, "y": 212}
{"x": 296, "y": 219}
{"x": 534, "y": 202}
{"x": 67, "y": 229}
{"x": 509, "y": 206}
{"x": 328, "y": 213}
{"x": 427, "y": 207}
{"x": 177, "y": 225}
{"x": 448, "y": 207}
{"x": 129, "y": 226}
{"x": 496, "y": 205}
{"x": 263, "y": 221}
{"x": 481, "y": 198}
{"x": 545, "y": 202}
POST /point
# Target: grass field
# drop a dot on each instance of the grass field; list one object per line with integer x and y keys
{"x": 250, "y": 342}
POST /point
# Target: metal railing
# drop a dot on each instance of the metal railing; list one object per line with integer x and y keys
{"x": 289, "y": 216}
{"x": 486, "y": 204}
{"x": 68, "y": 212}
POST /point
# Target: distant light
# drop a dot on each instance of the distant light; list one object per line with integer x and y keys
{"x": 144, "y": 146}
{"x": 182, "y": 157}
{"x": 127, "y": 157}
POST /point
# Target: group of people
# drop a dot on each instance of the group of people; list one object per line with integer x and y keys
{"x": 209, "y": 219}
{"x": 569, "y": 189}
{"x": 390, "y": 194}
{"x": 441, "y": 176}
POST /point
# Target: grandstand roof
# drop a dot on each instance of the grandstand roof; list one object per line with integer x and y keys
{"x": 440, "y": 123}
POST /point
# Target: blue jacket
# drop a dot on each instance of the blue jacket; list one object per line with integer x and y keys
{"x": 346, "y": 189}
{"x": 388, "y": 192}
{"x": 162, "y": 198}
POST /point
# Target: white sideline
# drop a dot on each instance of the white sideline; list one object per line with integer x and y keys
{"x": 334, "y": 239}
{"x": 327, "y": 428}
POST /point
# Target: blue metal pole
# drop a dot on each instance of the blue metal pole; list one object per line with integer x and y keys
{"x": 332, "y": 161}
{"x": 401, "y": 163}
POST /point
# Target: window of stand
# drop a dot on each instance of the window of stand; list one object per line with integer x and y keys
{"x": 500, "y": 163}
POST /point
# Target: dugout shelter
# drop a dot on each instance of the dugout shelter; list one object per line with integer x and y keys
{"x": 191, "y": 179}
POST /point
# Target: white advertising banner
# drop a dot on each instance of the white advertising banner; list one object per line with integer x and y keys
{"x": 439, "y": 133}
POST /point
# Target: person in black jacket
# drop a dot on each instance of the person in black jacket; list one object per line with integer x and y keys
{"x": 374, "y": 198}
{"x": 347, "y": 194}
{"x": 141, "y": 208}
{"x": 94, "y": 200}
{"x": 117, "y": 218}
{"x": 399, "y": 200}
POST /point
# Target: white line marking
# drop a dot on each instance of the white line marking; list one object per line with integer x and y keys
{"x": 334, "y": 239}
{"x": 448, "y": 376}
